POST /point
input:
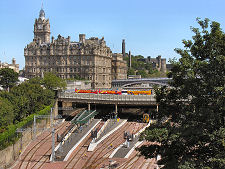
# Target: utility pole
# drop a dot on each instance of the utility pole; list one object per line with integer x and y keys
{"x": 53, "y": 137}
{"x": 52, "y": 130}
{"x": 35, "y": 127}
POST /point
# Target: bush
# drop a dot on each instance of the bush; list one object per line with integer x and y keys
{"x": 10, "y": 136}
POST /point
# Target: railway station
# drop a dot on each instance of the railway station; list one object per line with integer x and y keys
{"x": 91, "y": 135}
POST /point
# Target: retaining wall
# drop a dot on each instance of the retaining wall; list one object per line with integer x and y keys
{"x": 10, "y": 154}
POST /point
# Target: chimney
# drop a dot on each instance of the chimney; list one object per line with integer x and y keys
{"x": 52, "y": 39}
{"x": 123, "y": 48}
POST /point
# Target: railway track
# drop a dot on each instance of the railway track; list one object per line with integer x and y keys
{"x": 80, "y": 153}
{"x": 45, "y": 158}
{"x": 106, "y": 146}
{"x": 26, "y": 160}
{"x": 103, "y": 155}
{"x": 147, "y": 163}
{"x": 81, "y": 158}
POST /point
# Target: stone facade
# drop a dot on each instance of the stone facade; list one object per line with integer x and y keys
{"x": 89, "y": 59}
{"x": 119, "y": 67}
{"x": 13, "y": 66}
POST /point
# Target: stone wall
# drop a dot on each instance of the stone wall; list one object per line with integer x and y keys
{"x": 10, "y": 154}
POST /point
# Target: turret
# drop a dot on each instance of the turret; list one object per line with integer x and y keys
{"x": 14, "y": 61}
{"x": 42, "y": 28}
{"x": 159, "y": 62}
{"x": 163, "y": 65}
{"x": 82, "y": 38}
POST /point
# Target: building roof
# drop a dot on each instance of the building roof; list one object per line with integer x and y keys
{"x": 42, "y": 14}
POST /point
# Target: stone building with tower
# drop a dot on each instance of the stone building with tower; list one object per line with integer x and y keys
{"x": 158, "y": 63}
{"x": 13, "y": 65}
{"x": 89, "y": 59}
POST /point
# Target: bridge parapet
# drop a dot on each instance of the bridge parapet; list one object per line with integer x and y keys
{"x": 108, "y": 98}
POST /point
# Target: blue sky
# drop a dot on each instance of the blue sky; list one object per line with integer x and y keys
{"x": 150, "y": 28}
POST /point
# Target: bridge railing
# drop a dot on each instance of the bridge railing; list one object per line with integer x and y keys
{"x": 90, "y": 96}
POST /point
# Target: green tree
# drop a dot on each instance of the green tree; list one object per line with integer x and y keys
{"x": 29, "y": 98}
{"x": 8, "y": 78}
{"x": 6, "y": 113}
{"x": 35, "y": 80}
{"x": 191, "y": 129}
{"x": 142, "y": 73}
{"x": 51, "y": 81}
{"x": 130, "y": 71}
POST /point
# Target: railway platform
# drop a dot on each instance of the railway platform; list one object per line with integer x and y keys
{"x": 63, "y": 152}
{"x": 109, "y": 129}
{"x": 124, "y": 149}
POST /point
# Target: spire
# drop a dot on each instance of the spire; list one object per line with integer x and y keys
{"x": 42, "y": 12}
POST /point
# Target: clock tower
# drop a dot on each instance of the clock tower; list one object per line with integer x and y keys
{"x": 42, "y": 28}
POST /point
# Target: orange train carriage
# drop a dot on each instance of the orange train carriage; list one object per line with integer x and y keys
{"x": 116, "y": 92}
{"x": 85, "y": 91}
{"x": 139, "y": 92}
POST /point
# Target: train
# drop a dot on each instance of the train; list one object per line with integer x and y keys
{"x": 115, "y": 92}
{"x": 146, "y": 118}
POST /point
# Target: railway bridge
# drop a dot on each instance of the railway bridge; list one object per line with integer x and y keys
{"x": 146, "y": 82}
{"x": 67, "y": 98}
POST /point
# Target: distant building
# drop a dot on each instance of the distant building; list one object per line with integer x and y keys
{"x": 158, "y": 63}
{"x": 89, "y": 59}
{"x": 13, "y": 66}
{"x": 119, "y": 67}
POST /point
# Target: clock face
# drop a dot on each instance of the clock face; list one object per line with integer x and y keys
{"x": 39, "y": 26}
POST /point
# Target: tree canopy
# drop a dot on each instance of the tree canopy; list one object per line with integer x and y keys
{"x": 6, "y": 112}
{"x": 190, "y": 128}
{"x": 23, "y": 100}
{"x": 51, "y": 81}
{"x": 8, "y": 77}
